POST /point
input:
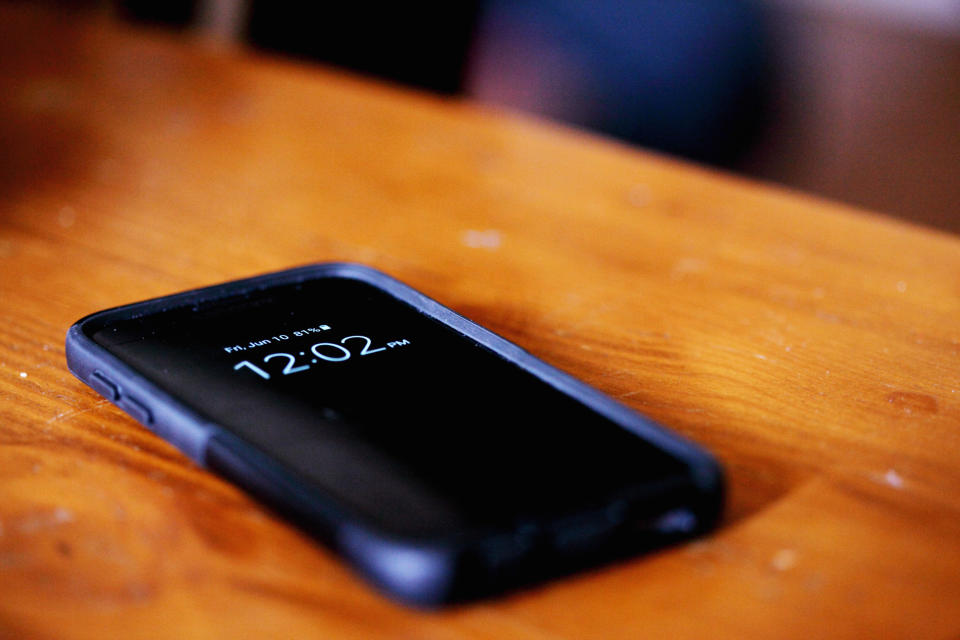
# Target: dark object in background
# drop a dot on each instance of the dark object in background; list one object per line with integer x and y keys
{"x": 174, "y": 13}
{"x": 423, "y": 44}
{"x": 684, "y": 77}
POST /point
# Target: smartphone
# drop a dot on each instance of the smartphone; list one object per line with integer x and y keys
{"x": 442, "y": 461}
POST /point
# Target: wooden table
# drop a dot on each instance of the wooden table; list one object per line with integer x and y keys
{"x": 814, "y": 348}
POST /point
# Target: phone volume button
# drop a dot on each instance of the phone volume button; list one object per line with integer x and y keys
{"x": 104, "y": 386}
{"x": 136, "y": 409}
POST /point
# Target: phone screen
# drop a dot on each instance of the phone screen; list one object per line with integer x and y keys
{"x": 392, "y": 413}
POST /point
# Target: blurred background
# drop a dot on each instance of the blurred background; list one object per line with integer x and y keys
{"x": 856, "y": 100}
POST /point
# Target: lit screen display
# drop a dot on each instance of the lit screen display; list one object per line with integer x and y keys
{"x": 391, "y": 413}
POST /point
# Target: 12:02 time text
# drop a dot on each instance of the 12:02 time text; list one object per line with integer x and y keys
{"x": 321, "y": 352}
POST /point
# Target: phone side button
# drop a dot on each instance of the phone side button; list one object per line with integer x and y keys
{"x": 102, "y": 385}
{"x": 136, "y": 409}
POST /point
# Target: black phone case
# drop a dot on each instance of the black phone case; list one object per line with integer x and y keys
{"x": 419, "y": 572}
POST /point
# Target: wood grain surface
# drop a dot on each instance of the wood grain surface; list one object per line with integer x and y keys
{"x": 814, "y": 348}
